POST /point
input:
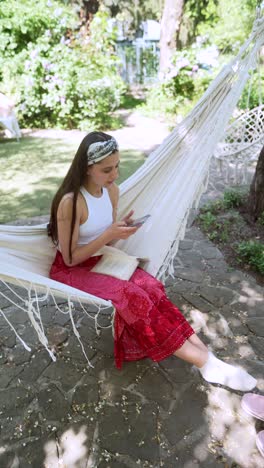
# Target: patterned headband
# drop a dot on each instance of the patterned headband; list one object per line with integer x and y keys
{"x": 100, "y": 150}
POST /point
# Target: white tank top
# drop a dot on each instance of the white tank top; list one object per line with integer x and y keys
{"x": 100, "y": 216}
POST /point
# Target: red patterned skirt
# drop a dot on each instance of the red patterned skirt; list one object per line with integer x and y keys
{"x": 146, "y": 323}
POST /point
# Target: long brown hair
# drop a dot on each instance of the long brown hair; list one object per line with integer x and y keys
{"x": 72, "y": 182}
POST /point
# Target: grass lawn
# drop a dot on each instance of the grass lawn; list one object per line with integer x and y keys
{"x": 32, "y": 170}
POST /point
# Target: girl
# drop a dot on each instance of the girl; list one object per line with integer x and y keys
{"x": 146, "y": 323}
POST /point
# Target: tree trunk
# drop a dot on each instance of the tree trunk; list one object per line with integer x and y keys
{"x": 256, "y": 194}
{"x": 170, "y": 26}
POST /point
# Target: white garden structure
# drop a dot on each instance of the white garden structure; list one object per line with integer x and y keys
{"x": 239, "y": 150}
{"x": 8, "y": 118}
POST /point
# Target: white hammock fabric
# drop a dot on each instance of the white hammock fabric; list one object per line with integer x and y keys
{"x": 167, "y": 186}
{"x": 244, "y": 139}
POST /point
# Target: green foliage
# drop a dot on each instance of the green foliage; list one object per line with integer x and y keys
{"x": 261, "y": 219}
{"x": 208, "y": 220}
{"x": 199, "y": 12}
{"x": 230, "y": 23}
{"x": 58, "y": 76}
{"x": 215, "y": 230}
{"x": 214, "y": 207}
{"x": 224, "y": 232}
{"x": 252, "y": 95}
{"x": 128, "y": 101}
{"x": 233, "y": 198}
{"x": 24, "y": 22}
{"x": 253, "y": 253}
{"x": 183, "y": 87}
{"x": 132, "y": 13}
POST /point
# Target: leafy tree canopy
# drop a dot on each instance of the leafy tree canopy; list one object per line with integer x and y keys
{"x": 24, "y": 22}
{"x": 227, "y": 24}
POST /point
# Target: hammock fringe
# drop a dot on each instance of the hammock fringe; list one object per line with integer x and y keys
{"x": 31, "y": 306}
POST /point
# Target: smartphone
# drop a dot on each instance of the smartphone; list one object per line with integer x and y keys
{"x": 139, "y": 221}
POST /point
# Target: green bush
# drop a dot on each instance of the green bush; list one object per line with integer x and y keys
{"x": 58, "y": 76}
{"x": 183, "y": 86}
{"x": 23, "y": 23}
{"x": 253, "y": 253}
{"x": 228, "y": 23}
{"x": 261, "y": 219}
{"x": 208, "y": 220}
{"x": 233, "y": 198}
{"x": 252, "y": 94}
{"x": 214, "y": 207}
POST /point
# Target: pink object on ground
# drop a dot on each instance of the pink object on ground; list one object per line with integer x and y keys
{"x": 260, "y": 442}
{"x": 254, "y": 405}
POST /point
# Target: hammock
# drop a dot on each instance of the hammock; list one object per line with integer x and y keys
{"x": 167, "y": 186}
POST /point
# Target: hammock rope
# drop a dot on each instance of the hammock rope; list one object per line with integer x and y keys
{"x": 31, "y": 306}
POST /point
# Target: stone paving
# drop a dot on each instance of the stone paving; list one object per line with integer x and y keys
{"x": 66, "y": 414}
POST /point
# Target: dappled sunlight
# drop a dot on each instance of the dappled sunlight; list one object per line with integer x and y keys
{"x": 216, "y": 330}
{"x": 251, "y": 297}
{"x": 244, "y": 350}
{"x": 107, "y": 388}
{"x": 68, "y": 452}
{"x": 72, "y": 445}
{"x": 232, "y": 427}
{"x": 51, "y": 455}
{"x": 2, "y": 449}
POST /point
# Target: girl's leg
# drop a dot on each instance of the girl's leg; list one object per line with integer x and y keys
{"x": 190, "y": 352}
{"x": 213, "y": 369}
{"x": 195, "y": 340}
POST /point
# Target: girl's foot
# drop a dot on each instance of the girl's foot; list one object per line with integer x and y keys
{"x": 217, "y": 371}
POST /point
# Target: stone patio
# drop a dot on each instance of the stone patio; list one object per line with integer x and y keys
{"x": 66, "y": 414}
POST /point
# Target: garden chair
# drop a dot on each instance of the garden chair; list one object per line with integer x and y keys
{"x": 244, "y": 138}
{"x": 8, "y": 118}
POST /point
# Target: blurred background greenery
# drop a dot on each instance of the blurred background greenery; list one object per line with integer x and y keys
{"x": 73, "y": 64}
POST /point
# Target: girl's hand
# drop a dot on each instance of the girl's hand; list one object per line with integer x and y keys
{"x": 127, "y": 219}
{"x": 120, "y": 230}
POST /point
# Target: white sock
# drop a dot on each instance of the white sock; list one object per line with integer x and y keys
{"x": 217, "y": 371}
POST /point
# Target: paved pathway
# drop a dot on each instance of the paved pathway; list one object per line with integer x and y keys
{"x": 68, "y": 415}
{"x": 140, "y": 133}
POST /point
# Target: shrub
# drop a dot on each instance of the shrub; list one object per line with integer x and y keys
{"x": 253, "y": 253}
{"x": 233, "y": 198}
{"x": 214, "y": 207}
{"x": 183, "y": 86}
{"x": 208, "y": 220}
{"x": 23, "y": 23}
{"x": 261, "y": 219}
{"x": 59, "y": 76}
{"x": 252, "y": 94}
